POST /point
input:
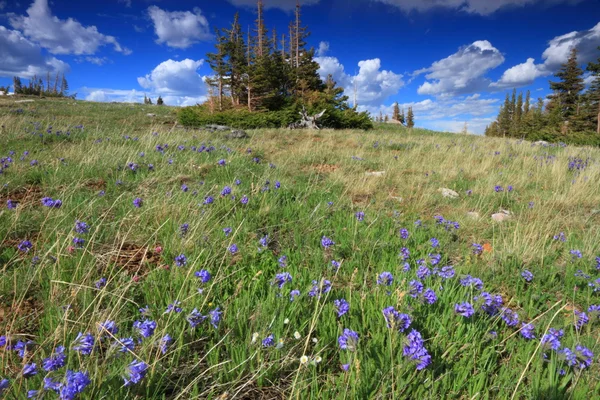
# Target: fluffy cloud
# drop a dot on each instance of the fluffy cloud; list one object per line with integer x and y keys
{"x": 323, "y": 49}
{"x": 21, "y": 57}
{"x": 179, "y": 29}
{"x": 462, "y": 72}
{"x": 61, "y": 36}
{"x": 373, "y": 85}
{"x": 554, "y": 56}
{"x": 175, "y": 78}
{"x": 480, "y": 7}
{"x": 285, "y": 5}
{"x": 135, "y": 96}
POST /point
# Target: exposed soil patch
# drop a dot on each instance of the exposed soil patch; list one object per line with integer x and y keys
{"x": 134, "y": 259}
{"x": 95, "y": 184}
{"x": 23, "y": 196}
{"x": 361, "y": 198}
{"x": 323, "y": 168}
{"x": 21, "y": 317}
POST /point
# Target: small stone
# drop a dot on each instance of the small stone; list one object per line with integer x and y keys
{"x": 473, "y": 215}
{"x": 448, "y": 193}
{"x": 237, "y": 134}
{"x": 150, "y": 115}
{"x": 501, "y": 217}
{"x": 375, "y": 173}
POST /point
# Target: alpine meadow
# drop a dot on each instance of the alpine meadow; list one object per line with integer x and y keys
{"x": 263, "y": 223}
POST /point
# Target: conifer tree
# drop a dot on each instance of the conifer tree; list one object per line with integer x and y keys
{"x": 159, "y": 101}
{"x": 594, "y": 93}
{"x": 410, "y": 118}
{"x": 64, "y": 86}
{"x": 516, "y": 122}
{"x": 567, "y": 89}
{"x": 217, "y": 62}
{"x": 386, "y": 119}
{"x": 396, "y": 113}
{"x": 17, "y": 85}
{"x": 504, "y": 117}
{"x": 527, "y": 105}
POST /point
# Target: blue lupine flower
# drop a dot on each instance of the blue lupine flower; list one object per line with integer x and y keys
{"x": 78, "y": 242}
{"x": 385, "y": 278}
{"x": 164, "y": 343}
{"x": 268, "y": 341}
{"x": 527, "y": 275}
{"x": 84, "y": 343}
{"x": 203, "y": 275}
{"x": 498, "y": 189}
{"x": 335, "y": 265}
{"x": 360, "y": 216}
{"x": 435, "y": 259}
{"x": 348, "y": 340}
{"x": 29, "y": 370}
{"x": 264, "y": 241}
{"x": 404, "y": 234}
{"x": 527, "y": 331}
{"x": 226, "y": 191}
{"x": 510, "y": 317}
{"x": 446, "y": 272}
{"x": 227, "y": 231}
{"x": 195, "y": 318}
{"x": 108, "y": 326}
{"x": 127, "y": 344}
{"x": 326, "y": 242}
{"x": 465, "y": 309}
{"x": 181, "y": 260}
{"x": 183, "y": 229}
{"x": 551, "y": 340}
{"x": 277, "y": 183}
{"x": 244, "y": 199}
{"x": 145, "y": 328}
{"x": 477, "y": 249}
{"x": 293, "y": 294}
{"x": 490, "y": 304}
{"x": 473, "y": 282}
{"x": 100, "y": 283}
{"x": 56, "y": 361}
{"x": 138, "y": 202}
{"x": 320, "y": 288}
{"x": 11, "y": 204}
{"x": 416, "y": 351}
{"x": 137, "y": 371}
{"x": 208, "y": 200}
{"x": 4, "y": 384}
{"x": 22, "y": 348}
{"x": 561, "y": 236}
{"x": 184, "y": 188}
{"x": 430, "y": 296}
{"x": 582, "y": 319}
{"x": 222, "y": 162}
{"x": 416, "y": 287}
{"x": 434, "y": 242}
{"x": 396, "y": 320}
{"x": 238, "y": 182}
{"x": 173, "y": 307}
{"x": 281, "y": 279}
{"x": 81, "y": 227}
{"x": 341, "y": 306}
{"x": 282, "y": 261}
{"x": 25, "y": 246}
{"x": 233, "y": 248}
{"x": 576, "y": 254}
{"x": 215, "y": 317}
{"x": 423, "y": 272}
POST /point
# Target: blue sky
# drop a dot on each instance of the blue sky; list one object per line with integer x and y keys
{"x": 451, "y": 60}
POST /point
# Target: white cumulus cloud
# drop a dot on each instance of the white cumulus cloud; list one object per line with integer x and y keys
{"x": 61, "y": 36}
{"x": 373, "y": 85}
{"x": 175, "y": 78}
{"x": 179, "y": 29}
{"x": 462, "y": 72}
{"x": 556, "y": 54}
{"x": 480, "y": 7}
{"x": 323, "y": 49}
{"x": 21, "y": 57}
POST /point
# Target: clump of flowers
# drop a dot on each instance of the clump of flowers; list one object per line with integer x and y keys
{"x": 341, "y": 307}
{"x": 348, "y": 340}
{"x": 416, "y": 351}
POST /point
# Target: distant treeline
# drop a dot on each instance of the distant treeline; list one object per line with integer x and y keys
{"x": 55, "y": 86}
{"x": 570, "y": 114}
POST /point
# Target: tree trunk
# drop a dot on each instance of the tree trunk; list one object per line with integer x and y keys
{"x": 220, "y": 94}
{"x": 249, "y": 97}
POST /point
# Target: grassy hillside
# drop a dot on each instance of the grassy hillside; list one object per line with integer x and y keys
{"x": 261, "y": 268}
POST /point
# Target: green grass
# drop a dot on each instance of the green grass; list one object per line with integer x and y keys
{"x": 48, "y": 294}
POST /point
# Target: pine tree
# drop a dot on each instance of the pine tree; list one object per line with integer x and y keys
{"x": 504, "y": 117}
{"x": 410, "y": 118}
{"x": 64, "y": 86}
{"x": 159, "y": 101}
{"x": 217, "y": 62}
{"x": 593, "y": 93}
{"x": 17, "y": 85}
{"x": 527, "y": 105}
{"x": 518, "y": 114}
{"x": 386, "y": 119}
{"x": 235, "y": 59}
{"x": 402, "y": 119}
{"x": 396, "y": 113}
{"x": 567, "y": 90}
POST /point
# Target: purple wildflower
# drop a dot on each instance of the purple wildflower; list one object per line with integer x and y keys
{"x": 465, "y": 309}
{"x": 348, "y": 340}
{"x": 137, "y": 371}
{"x": 341, "y": 306}
{"x": 385, "y": 278}
{"x": 416, "y": 351}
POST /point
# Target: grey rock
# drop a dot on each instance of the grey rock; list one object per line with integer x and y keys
{"x": 237, "y": 134}
{"x": 448, "y": 193}
{"x": 375, "y": 173}
{"x": 214, "y": 127}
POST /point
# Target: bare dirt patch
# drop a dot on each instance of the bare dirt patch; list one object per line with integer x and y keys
{"x": 134, "y": 259}
{"x": 23, "y": 196}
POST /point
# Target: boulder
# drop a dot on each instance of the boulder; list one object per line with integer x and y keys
{"x": 237, "y": 134}
{"x": 214, "y": 127}
{"x": 448, "y": 193}
{"x": 502, "y": 216}
{"x": 150, "y": 115}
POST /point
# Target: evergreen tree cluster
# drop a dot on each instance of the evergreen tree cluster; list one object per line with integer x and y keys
{"x": 569, "y": 115}
{"x": 57, "y": 87}
{"x": 258, "y": 70}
